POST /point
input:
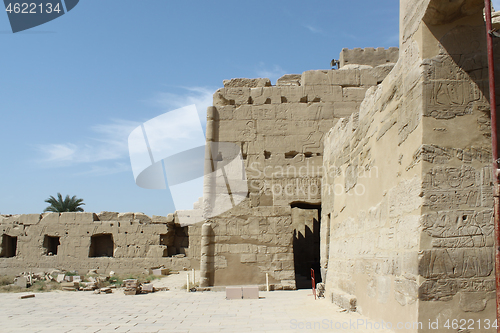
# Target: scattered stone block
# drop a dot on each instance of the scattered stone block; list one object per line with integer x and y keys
{"x": 131, "y": 287}
{"x": 21, "y": 281}
{"x": 251, "y": 292}
{"x": 27, "y": 296}
{"x": 105, "y": 290}
{"x": 147, "y": 288}
{"x": 160, "y": 271}
{"x": 320, "y": 289}
{"x": 70, "y": 284}
{"x": 234, "y": 293}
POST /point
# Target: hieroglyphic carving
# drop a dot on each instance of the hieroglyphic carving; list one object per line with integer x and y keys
{"x": 449, "y": 99}
{"x": 450, "y": 188}
{"x": 444, "y": 290}
{"x": 442, "y": 155}
{"x": 456, "y": 263}
{"x": 461, "y": 228}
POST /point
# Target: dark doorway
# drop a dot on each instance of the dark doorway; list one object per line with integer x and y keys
{"x": 306, "y": 240}
{"x": 51, "y": 245}
{"x": 101, "y": 246}
{"x": 9, "y": 246}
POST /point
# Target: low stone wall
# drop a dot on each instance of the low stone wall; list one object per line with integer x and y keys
{"x": 121, "y": 242}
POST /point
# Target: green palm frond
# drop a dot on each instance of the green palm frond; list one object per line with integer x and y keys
{"x": 61, "y": 205}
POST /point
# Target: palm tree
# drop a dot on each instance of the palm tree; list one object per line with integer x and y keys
{"x": 67, "y": 205}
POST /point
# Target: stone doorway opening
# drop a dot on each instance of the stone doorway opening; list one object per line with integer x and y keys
{"x": 8, "y": 247}
{"x": 306, "y": 243}
{"x": 101, "y": 245}
{"x": 51, "y": 245}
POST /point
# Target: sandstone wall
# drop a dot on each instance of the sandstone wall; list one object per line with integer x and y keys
{"x": 369, "y": 56}
{"x": 407, "y": 187}
{"x": 121, "y": 242}
{"x": 280, "y": 130}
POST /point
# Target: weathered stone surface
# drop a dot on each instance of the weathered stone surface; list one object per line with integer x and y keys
{"x": 126, "y": 217}
{"x": 440, "y": 12}
{"x": 128, "y": 243}
{"x": 344, "y": 300}
{"x": 108, "y": 216}
{"x": 142, "y": 218}
{"x": 368, "y": 56}
{"x": 29, "y": 219}
{"x": 406, "y": 181}
{"x": 250, "y": 83}
{"x": 473, "y": 301}
{"x": 289, "y": 80}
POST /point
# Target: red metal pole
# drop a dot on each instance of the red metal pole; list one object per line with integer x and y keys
{"x": 313, "y": 280}
{"x": 493, "y": 111}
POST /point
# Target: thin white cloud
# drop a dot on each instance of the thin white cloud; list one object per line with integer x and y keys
{"x": 202, "y": 97}
{"x": 273, "y": 73}
{"x": 109, "y": 142}
{"x": 106, "y": 150}
{"x": 313, "y": 29}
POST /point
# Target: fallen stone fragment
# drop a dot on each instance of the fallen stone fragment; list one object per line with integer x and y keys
{"x": 106, "y": 290}
{"x": 27, "y": 296}
{"x": 70, "y": 285}
{"x": 147, "y": 288}
{"x": 21, "y": 282}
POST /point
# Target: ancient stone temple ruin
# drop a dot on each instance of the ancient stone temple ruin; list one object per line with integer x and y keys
{"x": 375, "y": 175}
{"x": 122, "y": 242}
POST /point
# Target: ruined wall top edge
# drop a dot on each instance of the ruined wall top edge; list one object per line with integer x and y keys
{"x": 83, "y": 217}
{"x": 368, "y": 56}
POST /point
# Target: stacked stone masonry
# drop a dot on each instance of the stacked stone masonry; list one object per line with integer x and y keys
{"x": 408, "y": 183}
{"x": 376, "y": 175}
{"x": 121, "y": 242}
{"x": 280, "y": 130}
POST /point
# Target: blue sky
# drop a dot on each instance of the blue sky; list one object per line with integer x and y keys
{"x": 73, "y": 89}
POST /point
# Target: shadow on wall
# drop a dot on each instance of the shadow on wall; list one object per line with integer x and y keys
{"x": 8, "y": 247}
{"x": 101, "y": 245}
{"x": 51, "y": 245}
{"x": 176, "y": 241}
{"x": 306, "y": 244}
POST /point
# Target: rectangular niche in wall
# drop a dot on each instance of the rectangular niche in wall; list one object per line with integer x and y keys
{"x": 181, "y": 240}
{"x": 9, "y": 246}
{"x": 177, "y": 241}
{"x": 101, "y": 245}
{"x": 51, "y": 245}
